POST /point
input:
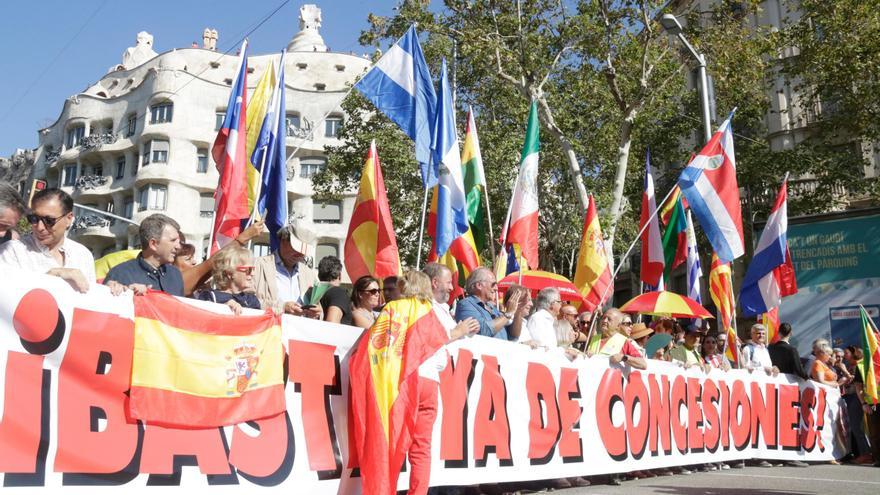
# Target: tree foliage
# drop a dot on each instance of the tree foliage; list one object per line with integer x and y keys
{"x": 611, "y": 84}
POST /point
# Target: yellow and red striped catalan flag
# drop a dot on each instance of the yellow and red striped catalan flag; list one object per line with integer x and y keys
{"x": 721, "y": 290}
{"x": 770, "y": 320}
{"x": 196, "y": 368}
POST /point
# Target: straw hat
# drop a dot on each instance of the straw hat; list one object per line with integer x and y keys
{"x": 640, "y": 330}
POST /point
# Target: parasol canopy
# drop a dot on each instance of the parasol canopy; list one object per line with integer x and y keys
{"x": 664, "y": 303}
{"x": 535, "y": 280}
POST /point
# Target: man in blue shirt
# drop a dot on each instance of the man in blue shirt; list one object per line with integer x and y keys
{"x": 480, "y": 305}
{"x": 154, "y": 267}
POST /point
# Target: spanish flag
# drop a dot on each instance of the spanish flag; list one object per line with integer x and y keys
{"x": 384, "y": 389}
{"x": 593, "y": 273}
{"x": 195, "y": 368}
{"x": 770, "y": 320}
{"x": 371, "y": 245}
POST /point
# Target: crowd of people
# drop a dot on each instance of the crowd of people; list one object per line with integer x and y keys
{"x": 284, "y": 282}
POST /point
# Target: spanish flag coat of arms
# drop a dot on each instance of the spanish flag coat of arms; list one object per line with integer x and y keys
{"x": 384, "y": 389}
{"x": 195, "y": 368}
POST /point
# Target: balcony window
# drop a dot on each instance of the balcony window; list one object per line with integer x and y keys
{"x": 69, "y": 175}
{"x": 327, "y": 212}
{"x": 152, "y": 197}
{"x": 161, "y": 113}
{"x": 98, "y": 170}
{"x": 326, "y": 249}
{"x": 311, "y": 166}
{"x": 131, "y": 127}
{"x": 206, "y": 202}
{"x": 293, "y": 123}
{"x": 202, "y": 161}
{"x": 155, "y": 151}
{"x": 219, "y": 117}
{"x": 74, "y": 134}
{"x": 120, "y": 167}
{"x": 128, "y": 207}
{"x": 331, "y": 126}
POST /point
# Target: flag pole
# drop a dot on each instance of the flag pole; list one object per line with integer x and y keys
{"x": 255, "y": 210}
{"x": 421, "y": 231}
{"x": 629, "y": 250}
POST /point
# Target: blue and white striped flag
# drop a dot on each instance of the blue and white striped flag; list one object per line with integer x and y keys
{"x": 270, "y": 155}
{"x": 400, "y": 86}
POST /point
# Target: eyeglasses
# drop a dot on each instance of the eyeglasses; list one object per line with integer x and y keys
{"x": 49, "y": 222}
{"x": 626, "y": 323}
{"x": 247, "y": 269}
{"x": 373, "y": 292}
{"x": 583, "y": 323}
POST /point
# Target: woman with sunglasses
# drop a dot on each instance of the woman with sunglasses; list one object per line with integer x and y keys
{"x": 233, "y": 277}
{"x": 364, "y": 300}
{"x": 711, "y": 354}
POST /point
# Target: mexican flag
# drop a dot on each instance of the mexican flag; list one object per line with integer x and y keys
{"x": 523, "y": 224}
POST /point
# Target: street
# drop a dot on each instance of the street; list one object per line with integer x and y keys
{"x": 816, "y": 479}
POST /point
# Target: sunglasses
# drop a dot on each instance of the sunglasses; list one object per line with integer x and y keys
{"x": 583, "y": 323}
{"x": 49, "y": 222}
{"x": 248, "y": 269}
{"x": 373, "y": 292}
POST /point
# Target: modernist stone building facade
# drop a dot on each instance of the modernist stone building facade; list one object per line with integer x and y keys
{"x": 138, "y": 141}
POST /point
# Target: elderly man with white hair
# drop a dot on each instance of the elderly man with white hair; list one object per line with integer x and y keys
{"x": 539, "y": 330}
{"x": 755, "y": 354}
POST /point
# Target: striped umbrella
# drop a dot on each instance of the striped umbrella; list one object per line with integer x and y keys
{"x": 535, "y": 280}
{"x": 664, "y": 303}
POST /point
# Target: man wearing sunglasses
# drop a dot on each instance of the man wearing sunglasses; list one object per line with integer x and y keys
{"x": 480, "y": 305}
{"x": 47, "y": 249}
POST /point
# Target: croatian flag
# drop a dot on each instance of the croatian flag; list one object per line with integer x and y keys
{"x": 452, "y": 219}
{"x": 770, "y": 275}
{"x": 230, "y": 155}
{"x": 400, "y": 86}
{"x": 652, "y": 244}
{"x": 709, "y": 184}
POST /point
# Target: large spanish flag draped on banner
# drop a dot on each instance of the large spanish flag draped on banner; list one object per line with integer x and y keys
{"x": 721, "y": 290}
{"x": 593, "y": 273}
{"x": 869, "y": 366}
{"x": 384, "y": 389}
{"x": 371, "y": 246}
{"x": 195, "y": 368}
{"x": 522, "y": 227}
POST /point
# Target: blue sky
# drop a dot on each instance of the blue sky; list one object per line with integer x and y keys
{"x": 57, "y": 48}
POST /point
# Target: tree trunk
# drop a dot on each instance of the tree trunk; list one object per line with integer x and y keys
{"x": 624, "y": 139}
{"x": 574, "y": 168}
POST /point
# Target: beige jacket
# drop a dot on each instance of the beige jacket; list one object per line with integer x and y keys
{"x": 266, "y": 286}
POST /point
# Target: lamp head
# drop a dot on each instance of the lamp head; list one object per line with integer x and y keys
{"x": 670, "y": 24}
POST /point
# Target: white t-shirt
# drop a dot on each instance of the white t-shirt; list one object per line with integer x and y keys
{"x": 540, "y": 329}
{"x": 28, "y": 254}
{"x": 756, "y": 356}
{"x": 432, "y": 366}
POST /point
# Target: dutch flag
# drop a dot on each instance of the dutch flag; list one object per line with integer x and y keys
{"x": 400, "y": 86}
{"x": 709, "y": 185}
{"x": 770, "y": 275}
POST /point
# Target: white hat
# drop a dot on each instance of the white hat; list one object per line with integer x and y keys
{"x": 301, "y": 236}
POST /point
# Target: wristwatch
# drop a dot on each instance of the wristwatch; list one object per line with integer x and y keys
{"x": 624, "y": 359}
{"x": 509, "y": 316}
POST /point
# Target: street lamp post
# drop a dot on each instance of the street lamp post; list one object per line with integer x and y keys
{"x": 672, "y": 26}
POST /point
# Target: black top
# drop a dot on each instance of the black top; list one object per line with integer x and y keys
{"x": 166, "y": 278}
{"x": 246, "y": 299}
{"x": 6, "y": 237}
{"x": 337, "y": 296}
{"x": 785, "y": 357}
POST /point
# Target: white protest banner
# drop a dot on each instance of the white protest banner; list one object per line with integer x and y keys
{"x": 507, "y": 412}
